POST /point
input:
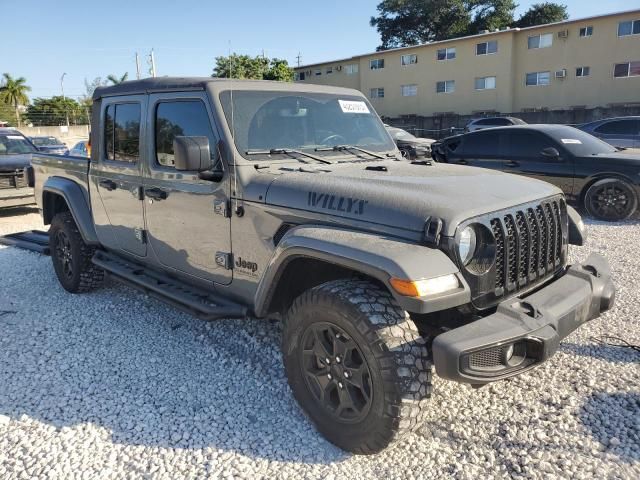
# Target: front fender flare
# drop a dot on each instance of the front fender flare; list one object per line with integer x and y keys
{"x": 374, "y": 255}
{"x": 72, "y": 194}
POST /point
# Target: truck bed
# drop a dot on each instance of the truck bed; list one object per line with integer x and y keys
{"x": 47, "y": 165}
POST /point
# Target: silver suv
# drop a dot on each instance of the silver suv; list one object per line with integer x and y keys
{"x": 482, "y": 123}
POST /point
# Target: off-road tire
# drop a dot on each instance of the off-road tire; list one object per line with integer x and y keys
{"x": 616, "y": 186}
{"x": 394, "y": 350}
{"x": 84, "y": 275}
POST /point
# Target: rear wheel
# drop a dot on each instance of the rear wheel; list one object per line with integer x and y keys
{"x": 71, "y": 256}
{"x": 357, "y": 364}
{"x": 610, "y": 200}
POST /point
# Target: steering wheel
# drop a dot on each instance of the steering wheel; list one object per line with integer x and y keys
{"x": 338, "y": 139}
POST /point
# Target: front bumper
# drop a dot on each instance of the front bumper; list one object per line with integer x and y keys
{"x": 14, "y": 197}
{"x": 524, "y": 332}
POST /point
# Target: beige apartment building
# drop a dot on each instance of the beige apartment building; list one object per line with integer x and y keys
{"x": 585, "y": 63}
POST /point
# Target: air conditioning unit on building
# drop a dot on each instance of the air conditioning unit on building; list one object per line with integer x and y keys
{"x": 561, "y": 73}
{"x": 563, "y": 34}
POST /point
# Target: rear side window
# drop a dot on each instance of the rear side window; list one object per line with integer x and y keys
{"x": 180, "y": 118}
{"x": 485, "y": 143}
{"x": 122, "y": 132}
{"x": 620, "y": 127}
{"x": 527, "y": 145}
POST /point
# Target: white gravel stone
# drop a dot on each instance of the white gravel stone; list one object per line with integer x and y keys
{"x": 113, "y": 384}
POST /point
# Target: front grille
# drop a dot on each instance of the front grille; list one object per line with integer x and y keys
{"x": 529, "y": 245}
{"x": 12, "y": 180}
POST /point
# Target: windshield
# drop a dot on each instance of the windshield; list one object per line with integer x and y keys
{"x": 46, "y": 141}
{"x": 14, "y": 145}
{"x": 400, "y": 134}
{"x": 580, "y": 143}
{"x": 302, "y": 121}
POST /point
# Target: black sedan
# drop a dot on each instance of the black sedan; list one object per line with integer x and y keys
{"x": 409, "y": 145}
{"x": 591, "y": 172}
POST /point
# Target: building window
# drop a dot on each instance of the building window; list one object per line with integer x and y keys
{"x": 586, "y": 31}
{"x": 376, "y": 64}
{"x": 329, "y": 70}
{"x": 628, "y": 69}
{"x": 447, "y": 86}
{"x": 409, "y": 90}
{"x": 409, "y": 59}
{"x": 485, "y": 83}
{"x": 583, "y": 71}
{"x": 487, "y": 48}
{"x": 376, "y": 93}
{"x": 351, "y": 69}
{"x": 538, "y": 78}
{"x": 446, "y": 53}
{"x": 632, "y": 27}
{"x": 540, "y": 41}
{"x": 317, "y": 72}
{"x": 297, "y": 76}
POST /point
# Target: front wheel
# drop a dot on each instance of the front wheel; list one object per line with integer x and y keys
{"x": 610, "y": 200}
{"x": 357, "y": 364}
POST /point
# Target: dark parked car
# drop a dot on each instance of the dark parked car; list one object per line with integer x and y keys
{"x": 411, "y": 146}
{"x": 15, "y": 156}
{"x": 589, "y": 171}
{"x": 48, "y": 144}
{"x": 80, "y": 149}
{"x": 621, "y": 132}
{"x": 491, "y": 122}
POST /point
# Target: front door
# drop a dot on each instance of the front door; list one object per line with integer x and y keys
{"x": 117, "y": 176}
{"x": 187, "y": 221}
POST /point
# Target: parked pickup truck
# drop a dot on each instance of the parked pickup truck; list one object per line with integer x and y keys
{"x": 241, "y": 198}
{"x": 15, "y": 157}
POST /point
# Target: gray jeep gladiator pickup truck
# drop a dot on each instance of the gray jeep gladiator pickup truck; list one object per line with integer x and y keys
{"x": 242, "y": 198}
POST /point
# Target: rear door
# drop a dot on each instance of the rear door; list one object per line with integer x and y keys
{"x": 117, "y": 176}
{"x": 187, "y": 218}
{"x": 624, "y": 133}
{"x": 523, "y": 153}
{"x": 481, "y": 149}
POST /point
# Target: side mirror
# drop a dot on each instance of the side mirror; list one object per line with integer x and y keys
{"x": 551, "y": 153}
{"x": 192, "y": 154}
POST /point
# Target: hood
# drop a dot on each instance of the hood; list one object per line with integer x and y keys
{"x": 405, "y": 194}
{"x": 10, "y": 163}
{"x": 619, "y": 158}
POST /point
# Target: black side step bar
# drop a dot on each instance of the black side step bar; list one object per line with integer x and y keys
{"x": 199, "y": 302}
{"x": 34, "y": 240}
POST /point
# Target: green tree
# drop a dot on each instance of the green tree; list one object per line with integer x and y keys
{"x": 410, "y": 22}
{"x": 542, "y": 13}
{"x": 116, "y": 80}
{"x": 53, "y": 111}
{"x": 252, "y": 68}
{"x": 13, "y": 91}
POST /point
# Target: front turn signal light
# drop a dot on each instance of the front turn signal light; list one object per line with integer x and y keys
{"x": 424, "y": 287}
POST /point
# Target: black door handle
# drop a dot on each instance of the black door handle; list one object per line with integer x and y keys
{"x": 156, "y": 193}
{"x": 512, "y": 164}
{"x": 108, "y": 184}
{"x": 462, "y": 161}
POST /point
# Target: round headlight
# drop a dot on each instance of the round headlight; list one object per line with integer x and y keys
{"x": 467, "y": 244}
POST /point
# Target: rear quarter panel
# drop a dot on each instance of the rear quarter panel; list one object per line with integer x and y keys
{"x": 69, "y": 167}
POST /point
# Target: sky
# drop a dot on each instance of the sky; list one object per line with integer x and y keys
{"x": 41, "y": 40}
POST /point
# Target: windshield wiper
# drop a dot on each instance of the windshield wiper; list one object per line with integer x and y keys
{"x": 287, "y": 151}
{"x": 340, "y": 148}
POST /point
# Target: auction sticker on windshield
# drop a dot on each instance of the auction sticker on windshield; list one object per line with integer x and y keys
{"x": 351, "y": 106}
{"x": 571, "y": 141}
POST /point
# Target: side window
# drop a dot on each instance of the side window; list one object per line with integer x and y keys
{"x": 484, "y": 143}
{"x": 527, "y": 145}
{"x": 180, "y": 118}
{"x": 620, "y": 127}
{"x": 122, "y": 132}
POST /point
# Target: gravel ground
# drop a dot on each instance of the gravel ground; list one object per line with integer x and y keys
{"x": 113, "y": 384}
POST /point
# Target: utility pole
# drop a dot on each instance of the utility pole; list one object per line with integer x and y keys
{"x": 137, "y": 66}
{"x": 298, "y": 58}
{"x": 66, "y": 113}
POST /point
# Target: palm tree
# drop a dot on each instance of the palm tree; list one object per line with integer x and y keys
{"x": 115, "y": 80}
{"x": 14, "y": 92}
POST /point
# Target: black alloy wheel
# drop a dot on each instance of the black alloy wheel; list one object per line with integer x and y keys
{"x": 611, "y": 200}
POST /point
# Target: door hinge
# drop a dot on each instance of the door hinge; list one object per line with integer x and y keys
{"x": 222, "y": 207}
{"x": 224, "y": 260}
{"x": 141, "y": 234}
